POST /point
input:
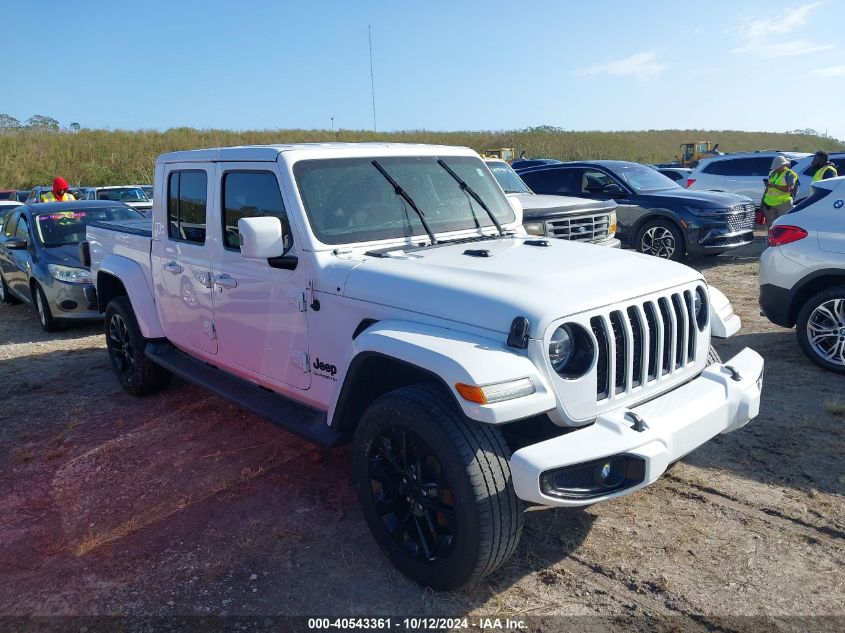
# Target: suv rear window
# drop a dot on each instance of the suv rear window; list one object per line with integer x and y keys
{"x": 758, "y": 166}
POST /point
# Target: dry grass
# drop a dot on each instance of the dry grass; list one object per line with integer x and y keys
{"x": 100, "y": 157}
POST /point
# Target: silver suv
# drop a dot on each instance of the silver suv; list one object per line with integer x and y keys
{"x": 741, "y": 172}
{"x": 805, "y": 173}
{"x": 802, "y": 274}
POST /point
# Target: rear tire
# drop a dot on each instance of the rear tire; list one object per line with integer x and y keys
{"x": 45, "y": 316}
{"x": 661, "y": 238}
{"x": 435, "y": 488}
{"x": 137, "y": 374}
{"x": 821, "y": 329}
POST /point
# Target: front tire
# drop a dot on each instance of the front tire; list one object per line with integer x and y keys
{"x": 661, "y": 238}
{"x": 435, "y": 488}
{"x": 137, "y": 374}
{"x": 45, "y": 316}
{"x": 821, "y": 329}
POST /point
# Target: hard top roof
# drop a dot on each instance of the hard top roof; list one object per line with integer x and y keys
{"x": 269, "y": 153}
{"x": 52, "y": 207}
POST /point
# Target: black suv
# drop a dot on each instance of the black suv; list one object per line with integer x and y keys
{"x": 655, "y": 215}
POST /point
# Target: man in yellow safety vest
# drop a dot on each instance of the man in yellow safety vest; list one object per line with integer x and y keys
{"x": 822, "y": 167}
{"x": 777, "y": 198}
{"x": 59, "y": 192}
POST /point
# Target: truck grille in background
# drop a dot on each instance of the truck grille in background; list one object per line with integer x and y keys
{"x": 741, "y": 218}
{"x": 644, "y": 343}
{"x": 582, "y": 228}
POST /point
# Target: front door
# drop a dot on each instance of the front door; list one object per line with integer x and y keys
{"x": 17, "y": 278}
{"x": 259, "y": 308}
{"x": 181, "y": 260}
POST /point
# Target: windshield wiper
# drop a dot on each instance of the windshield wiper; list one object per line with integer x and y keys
{"x": 471, "y": 191}
{"x": 397, "y": 188}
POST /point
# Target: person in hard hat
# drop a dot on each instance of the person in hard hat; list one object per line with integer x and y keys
{"x": 822, "y": 167}
{"x": 59, "y": 192}
{"x": 780, "y": 185}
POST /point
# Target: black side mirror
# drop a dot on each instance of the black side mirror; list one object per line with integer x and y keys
{"x": 613, "y": 190}
{"x": 16, "y": 244}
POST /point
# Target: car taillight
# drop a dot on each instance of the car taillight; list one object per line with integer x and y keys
{"x": 784, "y": 234}
{"x": 689, "y": 182}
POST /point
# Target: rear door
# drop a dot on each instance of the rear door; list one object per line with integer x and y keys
{"x": 745, "y": 176}
{"x": 181, "y": 260}
{"x": 259, "y": 306}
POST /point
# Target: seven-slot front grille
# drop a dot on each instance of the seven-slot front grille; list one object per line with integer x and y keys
{"x": 644, "y": 343}
{"x": 741, "y": 218}
{"x": 582, "y": 228}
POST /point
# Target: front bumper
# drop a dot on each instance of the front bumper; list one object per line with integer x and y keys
{"x": 715, "y": 240}
{"x": 72, "y": 302}
{"x": 676, "y": 423}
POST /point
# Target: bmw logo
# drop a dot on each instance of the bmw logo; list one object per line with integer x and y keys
{"x": 838, "y": 204}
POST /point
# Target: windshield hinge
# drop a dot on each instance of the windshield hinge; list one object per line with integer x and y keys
{"x": 297, "y": 299}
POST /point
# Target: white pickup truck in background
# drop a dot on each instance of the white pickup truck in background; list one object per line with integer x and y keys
{"x": 387, "y": 295}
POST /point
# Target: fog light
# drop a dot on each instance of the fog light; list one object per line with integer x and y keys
{"x": 594, "y": 479}
{"x": 67, "y": 304}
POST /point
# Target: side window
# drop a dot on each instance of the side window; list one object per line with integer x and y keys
{"x": 716, "y": 168}
{"x": 592, "y": 182}
{"x": 809, "y": 171}
{"x": 553, "y": 181}
{"x": 760, "y": 167}
{"x": 249, "y": 194}
{"x": 10, "y": 224}
{"x": 23, "y": 229}
{"x": 186, "y": 206}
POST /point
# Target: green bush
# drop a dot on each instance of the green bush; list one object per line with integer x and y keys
{"x": 98, "y": 157}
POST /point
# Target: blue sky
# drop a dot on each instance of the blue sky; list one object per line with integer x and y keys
{"x": 455, "y": 65}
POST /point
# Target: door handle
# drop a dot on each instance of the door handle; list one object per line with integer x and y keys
{"x": 172, "y": 267}
{"x": 226, "y": 281}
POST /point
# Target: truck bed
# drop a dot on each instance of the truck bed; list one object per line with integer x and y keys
{"x": 121, "y": 240}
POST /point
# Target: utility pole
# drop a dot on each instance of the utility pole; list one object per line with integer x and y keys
{"x": 372, "y": 80}
{"x": 332, "y": 118}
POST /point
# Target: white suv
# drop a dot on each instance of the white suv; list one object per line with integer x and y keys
{"x": 741, "y": 172}
{"x": 802, "y": 274}
{"x": 805, "y": 173}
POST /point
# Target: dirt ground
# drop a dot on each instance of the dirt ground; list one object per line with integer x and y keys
{"x": 183, "y": 504}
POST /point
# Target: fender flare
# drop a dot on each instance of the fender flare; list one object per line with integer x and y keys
{"x": 724, "y": 322}
{"x": 454, "y": 357}
{"x": 132, "y": 276}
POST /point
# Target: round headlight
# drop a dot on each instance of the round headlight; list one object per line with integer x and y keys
{"x": 560, "y": 348}
{"x": 571, "y": 351}
{"x": 699, "y": 302}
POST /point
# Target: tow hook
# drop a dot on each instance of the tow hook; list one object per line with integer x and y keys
{"x": 735, "y": 375}
{"x": 639, "y": 423}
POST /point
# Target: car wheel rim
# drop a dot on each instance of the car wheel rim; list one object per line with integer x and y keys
{"x": 658, "y": 241}
{"x": 411, "y": 495}
{"x": 826, "y": 331}
{"x": 120, "y": 347}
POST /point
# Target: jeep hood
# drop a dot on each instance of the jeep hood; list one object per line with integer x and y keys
{"x": 515, "y": 279}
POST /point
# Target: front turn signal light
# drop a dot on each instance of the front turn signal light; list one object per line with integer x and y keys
{"x": 611, "y": 231}
{"x": 496, "y": 392}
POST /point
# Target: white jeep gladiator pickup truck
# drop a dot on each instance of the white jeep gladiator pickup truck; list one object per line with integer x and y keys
{"x": 386, "y": 295}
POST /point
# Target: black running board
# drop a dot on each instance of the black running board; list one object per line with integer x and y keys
{"x": 286, "y": 413}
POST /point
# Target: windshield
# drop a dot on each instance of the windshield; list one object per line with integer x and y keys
{"x": 348, "y": 200}
{"x": 123, "y": 194}
{"x": 642, "y": 179}
{"x": 507, "y": 177}
{"x": 68, "y": 227}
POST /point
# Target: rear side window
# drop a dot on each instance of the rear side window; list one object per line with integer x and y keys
{"x": 250, "y": 194}
{"x": 23, "y": 229}
{"x": 554, "y": 181}
{"x": 186, "y": 205}
{"x": 757, "y": 166}
{"x": 10, "y": 224}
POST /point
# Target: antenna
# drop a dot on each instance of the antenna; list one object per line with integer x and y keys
{"x": 372, "y": 80}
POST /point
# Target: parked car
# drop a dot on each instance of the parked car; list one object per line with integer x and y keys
{"x": 41, "y": 261}
{"x": 524, "y": 163}
{"x": 8, "y": 194}
{"x": 805, "y": 173}
{"x": 802, "y": 274}
{"x": 34, "y": 195}
{"x": 740, "y": 172}
{"x": 385, "y": 295}
{"x": 131, "y": 195}
{"x": 655, "y": 215}
{"x": 592, "y": 221}
{"x": 679, "y": 174}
